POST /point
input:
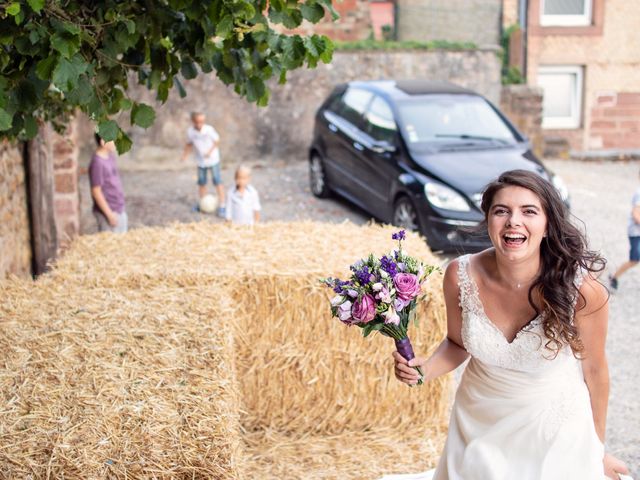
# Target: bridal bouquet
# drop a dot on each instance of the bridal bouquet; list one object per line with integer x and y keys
{"x": 381, "y": 295}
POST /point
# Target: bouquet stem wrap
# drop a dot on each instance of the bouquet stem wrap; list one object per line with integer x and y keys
{"x": 404, "y": 348}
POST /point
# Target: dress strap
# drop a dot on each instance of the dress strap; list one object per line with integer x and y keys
{"x": 465, "y": 284}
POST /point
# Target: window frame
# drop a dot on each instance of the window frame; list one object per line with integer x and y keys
{"x": 368, "y": 123}
{"x": 551, "y": 20}
{"x": 575, "y": 120}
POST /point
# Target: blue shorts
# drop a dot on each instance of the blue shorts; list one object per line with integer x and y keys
{"x": 634, "y": 251}
{"x": 215, "y": 174}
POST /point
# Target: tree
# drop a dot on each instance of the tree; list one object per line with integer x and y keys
{"x": 60, "y": 55}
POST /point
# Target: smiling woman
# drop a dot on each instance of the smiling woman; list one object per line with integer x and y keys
{"x": 530, "y": 313}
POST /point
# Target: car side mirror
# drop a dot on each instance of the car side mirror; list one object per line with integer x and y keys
{"x": 383, "y": 147}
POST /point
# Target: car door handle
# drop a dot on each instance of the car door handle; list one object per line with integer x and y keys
{"x": 357, "y": 146}
{"x": 333, "y": 128}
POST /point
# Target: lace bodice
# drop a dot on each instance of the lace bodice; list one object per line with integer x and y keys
{"x": 486, "y": 342}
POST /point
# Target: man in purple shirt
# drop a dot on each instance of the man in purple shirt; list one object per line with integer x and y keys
{"x": 106, "y": 189}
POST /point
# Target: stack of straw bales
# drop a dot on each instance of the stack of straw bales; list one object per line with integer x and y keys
{"x": 116, "y": 383}
{"x": 316, "y": 400}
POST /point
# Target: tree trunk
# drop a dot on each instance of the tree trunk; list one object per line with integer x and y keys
{"x": 40, "y": 182}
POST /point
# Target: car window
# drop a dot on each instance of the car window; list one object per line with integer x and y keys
{"x": 380, "y": 123}
{"x": 353, "y": 105}
{"x": 443, "y": 117}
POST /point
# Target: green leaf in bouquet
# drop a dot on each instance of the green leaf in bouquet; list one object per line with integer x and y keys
{"x": 372, "y": 326}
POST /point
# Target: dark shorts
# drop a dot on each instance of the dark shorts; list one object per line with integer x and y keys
{"x": 215, "y": 174}
{"x": 634, "y": 251}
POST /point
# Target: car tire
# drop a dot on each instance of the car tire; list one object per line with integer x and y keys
{"x": 317, "y": 177}
{"x": 405, "y": 214}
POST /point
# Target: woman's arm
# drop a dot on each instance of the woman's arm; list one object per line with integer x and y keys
{"x": 592, "y": 318}
{"x": 450, "y": 353}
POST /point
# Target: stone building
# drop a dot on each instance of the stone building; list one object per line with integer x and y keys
{"x": 476, "y": 21}
{"x": 585, "y": 54}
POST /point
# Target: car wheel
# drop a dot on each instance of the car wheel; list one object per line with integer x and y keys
{"x": 317, "y": 177}
{"x": 405, "y": 214}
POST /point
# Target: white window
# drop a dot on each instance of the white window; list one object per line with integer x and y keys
{"x": 566, "y": 13}
{"x": 562, "y": 100}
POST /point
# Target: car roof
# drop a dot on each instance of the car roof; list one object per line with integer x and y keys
{"x": 404, "y": 89}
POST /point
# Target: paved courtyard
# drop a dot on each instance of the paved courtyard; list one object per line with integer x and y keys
{"x": 600, "y": 195}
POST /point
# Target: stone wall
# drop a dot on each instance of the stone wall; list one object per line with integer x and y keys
{"x": 15, "y": 241}
{"x": 475, "y": 21}
{"x": 285, "y": 127}
{"x": 522, "y": 104}
{"x": 64, "y": 155}
{"x": 615, "y": 121}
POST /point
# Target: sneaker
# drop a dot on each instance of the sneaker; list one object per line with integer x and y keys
{"x": 221, "y": 212}
{"x": 613, "y": 282}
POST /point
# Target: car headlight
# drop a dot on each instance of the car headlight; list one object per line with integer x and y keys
{"x": 557, "y": 182}
{"x": 445, "y": 197}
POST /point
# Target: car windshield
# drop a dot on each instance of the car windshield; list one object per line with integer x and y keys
{"x": 443, "y": 118}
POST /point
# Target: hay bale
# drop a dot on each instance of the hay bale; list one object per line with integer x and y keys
{"x": 299, "y": 369}
{"x": 313, "y": 393}
{"x": 365, "y": 455}
{"x": 115, "y": 383}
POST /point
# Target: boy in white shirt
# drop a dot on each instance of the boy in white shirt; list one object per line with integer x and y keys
{"x": 203, "y": 141}
{"x": 243, "y": 202}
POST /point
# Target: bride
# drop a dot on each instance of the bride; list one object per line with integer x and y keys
{"x": 532, "y": 402}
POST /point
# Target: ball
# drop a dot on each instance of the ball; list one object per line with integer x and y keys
{"x": 208, "y": 203}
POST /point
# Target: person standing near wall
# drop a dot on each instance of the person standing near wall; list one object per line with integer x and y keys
{"x": 634, "y": 241}
{"x": 106, "y": 189}
{"x": 203, "y": 142}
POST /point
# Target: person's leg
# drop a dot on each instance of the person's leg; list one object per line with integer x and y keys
{"x": 202, "y": 182}
{"x": 103, "y": 223}
{"x": 634, "y": 258}
{"x": 123, "y": 223}
{"x": 217, "y": 182}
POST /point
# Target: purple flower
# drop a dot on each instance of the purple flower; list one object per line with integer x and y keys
{"x": 407, "y": 286}
{"x": 362, "y": 274}
{"x": 399, "y": 235}
{"x": 389, "y": 265}
{"x": 364, "y": 309}
{"x": 352, "y": 293}
{"x": 338, "y": 284}
{"x": 399, "y": 304}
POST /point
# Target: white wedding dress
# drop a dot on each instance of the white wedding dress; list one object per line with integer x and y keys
{"x": 519, "y": 413}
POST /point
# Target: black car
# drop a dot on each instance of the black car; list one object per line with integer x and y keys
{"x": 417, "y": 154}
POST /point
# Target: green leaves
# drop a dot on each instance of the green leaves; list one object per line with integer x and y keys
{"x": 312, "y": 11}
{"x": 65, "y": 74}
{"x": 56, "y": 57}
{"x": 5, "y": 120}
{"x": 65, "y": 43}
{"x": 13, "y": 9}
{"x": 142, "y": 115}
{"x": 108, "y": 130}
{"x": 36, "y": 5}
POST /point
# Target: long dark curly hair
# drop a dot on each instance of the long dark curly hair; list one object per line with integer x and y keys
{"x": 563, "y": 253}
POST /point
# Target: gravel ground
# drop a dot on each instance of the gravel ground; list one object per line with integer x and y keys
{"x": 601, "y": 194}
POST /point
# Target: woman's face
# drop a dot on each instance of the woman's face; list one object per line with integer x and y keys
{"x": 516, "y": 222}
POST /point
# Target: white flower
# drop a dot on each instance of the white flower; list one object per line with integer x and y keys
{"x": 384, "y": 274}
{"x": 390, "y": 316}
{"x": 337, "y": 300}
{"x": 346, "y": 306}
{"x": 376, "y": 287}
{"x": 344, "y": 315}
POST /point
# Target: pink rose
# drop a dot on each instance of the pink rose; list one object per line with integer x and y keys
{"x": 407, "y": 286}
{"x": 364, "y": 309}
